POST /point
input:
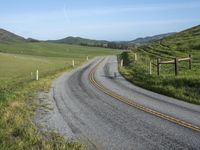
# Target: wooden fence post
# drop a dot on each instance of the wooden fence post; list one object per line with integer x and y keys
{"x": 190, "y": 62}
{"x": 176, "y": 66}
{"x": 150, "y": 68}
{"x": 158, "y": 66}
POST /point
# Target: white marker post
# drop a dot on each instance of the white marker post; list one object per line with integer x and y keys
{"x": 150, "y": 68}
{"x": 37, "y": 75}
{"x": 73, "y": 63}
{"x": 136, "y": 57}
{"x": 122, "y": 63}
{"x": 87, "y": 58}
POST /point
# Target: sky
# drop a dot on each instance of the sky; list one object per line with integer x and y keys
{"x": 114, "y": 20}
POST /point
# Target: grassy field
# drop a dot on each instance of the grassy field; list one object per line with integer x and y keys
{"x": 18, "y": 64}
{"x": 21, "y": 59}
{"x": 185, "y": 86}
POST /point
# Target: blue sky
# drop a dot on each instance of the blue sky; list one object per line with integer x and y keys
{"x": 97, "y": 19}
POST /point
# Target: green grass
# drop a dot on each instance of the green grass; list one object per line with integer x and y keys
{"x": 53, "y": 50}
{"x": 185, "y": 86}
{"x": 18, "y": 60}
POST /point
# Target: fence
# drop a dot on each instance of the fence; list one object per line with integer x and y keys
{"x": 174, "y": 62}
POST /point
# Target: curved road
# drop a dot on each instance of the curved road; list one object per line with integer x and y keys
{"x": 83, "y": 111}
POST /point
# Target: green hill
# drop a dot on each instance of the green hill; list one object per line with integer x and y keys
{"x": 80, "y": 41}
{"x": 8, "y": 36}
{"x": 187, "y": 41}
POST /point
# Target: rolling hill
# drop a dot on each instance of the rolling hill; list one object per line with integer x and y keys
{"x": 187, "y": 41}
{"x": 80, "y": 41}
{"x": 8, "y": 36}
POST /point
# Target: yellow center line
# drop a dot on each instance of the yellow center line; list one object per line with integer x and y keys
{"x": 136, "y": 105}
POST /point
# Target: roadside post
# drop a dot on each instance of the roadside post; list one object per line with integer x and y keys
{"x": 136, "y": 58}
{"x": 73, "y": 63}
{"x": 150, "y": 68}
{"x": 37, "y": 75}
{"x": 122, "y": 63}
{"x": 158, "y": 66}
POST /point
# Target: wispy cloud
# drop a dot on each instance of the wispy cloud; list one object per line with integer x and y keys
{"x": 66, "y": 13}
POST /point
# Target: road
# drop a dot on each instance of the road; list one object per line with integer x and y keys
{"x": 85, "y": 108}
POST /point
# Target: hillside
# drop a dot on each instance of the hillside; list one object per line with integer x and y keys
{"x": 187, "y": 41}
{"x": 184, "y": 41}
{"x": 8, "y": 36}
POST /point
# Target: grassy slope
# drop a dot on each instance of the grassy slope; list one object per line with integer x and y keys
{"x": 17, "y": 86}
{"x": 53, "y": 50}
{"x": 8, "y": 36}
{"x": 186, "y": 85}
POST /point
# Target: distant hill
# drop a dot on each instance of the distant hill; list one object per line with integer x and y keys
{"x": 80, "y": 41}
{"x": 8, "y": 36}
{"x": 90, "y": 42}
{"x": 146, "y": 40}
{"x": 113, "y": 44}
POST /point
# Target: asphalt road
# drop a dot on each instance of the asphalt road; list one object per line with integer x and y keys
{"x": 83, "y": 112}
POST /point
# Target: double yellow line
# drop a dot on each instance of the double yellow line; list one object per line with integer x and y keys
{"x": 129, "y": 102}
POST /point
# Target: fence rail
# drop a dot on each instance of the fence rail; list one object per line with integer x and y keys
{"x": 175, "y": 62}
{"x": 167, "y": 62}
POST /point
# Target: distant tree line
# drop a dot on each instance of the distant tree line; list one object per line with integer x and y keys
{"x": 114, "y": 45}
{"x": 117, "y": 45}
